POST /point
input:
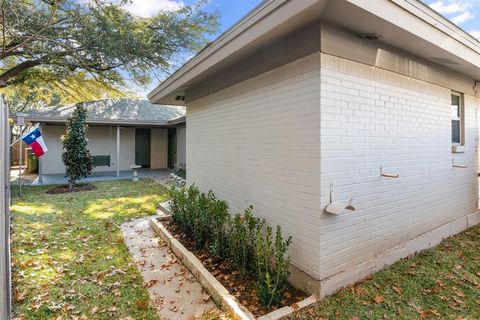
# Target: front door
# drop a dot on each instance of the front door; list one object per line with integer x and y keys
{"x": 172, "y": 147}
{"x": 142, "y": 147}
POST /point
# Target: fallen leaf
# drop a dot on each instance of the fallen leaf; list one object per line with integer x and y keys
{"x": 94, "y": 310}
{"x": 397, "y": 289}
{"x": 295, "y": 306}
{"x": 458, "y": 292}
{"x": 378, "y": 299}
{"x": 141, "y": 304}
{"x": 19, "y": 296}
{"x": 423, "y": 314}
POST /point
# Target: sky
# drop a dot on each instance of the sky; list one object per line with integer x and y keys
{"x": 464, "y": 13}
{"x": 231, "y": 11}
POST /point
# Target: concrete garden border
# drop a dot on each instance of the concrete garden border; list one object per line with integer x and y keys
{"x": 220, "y": 295}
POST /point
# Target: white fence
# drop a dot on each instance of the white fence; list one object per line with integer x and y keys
{"x": 5, "y": 284}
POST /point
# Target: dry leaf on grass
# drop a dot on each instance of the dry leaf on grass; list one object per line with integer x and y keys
{"x": 397, "y": 289}
{"x": 378, "y": 299}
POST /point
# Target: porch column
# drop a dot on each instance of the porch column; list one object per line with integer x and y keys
{"x": 118, "y": 151}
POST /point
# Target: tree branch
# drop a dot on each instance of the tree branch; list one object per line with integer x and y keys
{"x": 9, "y": 74}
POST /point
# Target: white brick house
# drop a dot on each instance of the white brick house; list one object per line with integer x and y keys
{"x": 301, "y": 95}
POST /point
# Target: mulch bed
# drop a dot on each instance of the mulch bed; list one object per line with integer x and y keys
{"x": 64, "y": 188}
{"x": 241, "y": 286}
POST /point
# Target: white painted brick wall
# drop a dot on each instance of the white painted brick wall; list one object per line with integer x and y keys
{"x": 372, "y": 117}
{"x": 258, "y": 143}
{"x": 278, "y": 140}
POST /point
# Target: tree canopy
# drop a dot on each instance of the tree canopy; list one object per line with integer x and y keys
{"x": 59, "y": 44}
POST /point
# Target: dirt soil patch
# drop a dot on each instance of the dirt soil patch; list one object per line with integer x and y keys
{"x": 65, "y": 188}
{"x": 242, "y": 286}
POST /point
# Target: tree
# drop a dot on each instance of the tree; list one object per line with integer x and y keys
{"x": 58, "y": 39}
{"x": 37, "y": 91}
{"x": 77, "y": 158}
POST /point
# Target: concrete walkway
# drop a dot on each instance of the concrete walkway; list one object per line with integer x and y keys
{"x": 102, "y": 176}
{"x": 174, "y": 292}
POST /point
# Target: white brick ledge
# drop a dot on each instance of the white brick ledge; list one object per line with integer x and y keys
{"x": 424, "y": 241}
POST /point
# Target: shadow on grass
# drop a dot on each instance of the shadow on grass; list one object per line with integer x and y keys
{"x": 68, "y": 252}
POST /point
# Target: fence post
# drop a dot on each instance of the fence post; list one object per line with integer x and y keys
{"x": 5, "y": 281}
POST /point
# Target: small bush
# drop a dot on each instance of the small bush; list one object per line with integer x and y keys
{"x": 220, "y": 220}
{"x": 182, "y": 173}
{"x": 244, "y": 229}
{"x": 272, "y": 267}
{"x": 239, "y": 239}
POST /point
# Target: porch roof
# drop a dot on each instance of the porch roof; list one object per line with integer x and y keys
{"x": 125, "y": 112}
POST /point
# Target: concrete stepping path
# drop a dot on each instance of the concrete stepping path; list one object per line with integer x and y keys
{"x": 174, "y": 292}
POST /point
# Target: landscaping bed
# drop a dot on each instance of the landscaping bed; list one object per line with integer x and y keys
{"x": 241, "y": 286}
{"x": 65, "y": 188}
{"x": 240, "y": 260}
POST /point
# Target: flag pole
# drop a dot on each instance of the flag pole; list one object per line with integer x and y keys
{"x": 20, "y": 156}
{"x": 20, "y": 122}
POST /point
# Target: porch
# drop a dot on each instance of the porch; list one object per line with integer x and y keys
{"x": 47, "y": 179}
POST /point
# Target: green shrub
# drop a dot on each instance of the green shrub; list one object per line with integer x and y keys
{"x": 272, "y": 267}
{"x": 219, "y": 221}
{"x": 240, "y": 239}
{"x": 202, "y": 227}
{"x": 181, "y": 172}
{"x": 243, "y": 232}
{"x": 181, "y": 207}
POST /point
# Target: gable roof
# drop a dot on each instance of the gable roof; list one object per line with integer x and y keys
{"x": 113, "y": 111}
{"x": 409, "y": 25}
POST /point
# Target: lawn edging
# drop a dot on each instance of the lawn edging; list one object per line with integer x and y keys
{"x": 218, "y": 292}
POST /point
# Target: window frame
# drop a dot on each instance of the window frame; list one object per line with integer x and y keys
{"x": 460, "y": 118}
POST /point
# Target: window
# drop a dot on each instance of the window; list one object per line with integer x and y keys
{"x": 457, "y": 114}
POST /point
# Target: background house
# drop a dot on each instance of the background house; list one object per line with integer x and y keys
{"x": 121, "y": 132}
{"x": 300, "y": 96}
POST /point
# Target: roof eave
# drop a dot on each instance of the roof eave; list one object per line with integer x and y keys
{"x": 58, "y": 120}
{"x": 213, "y": 52}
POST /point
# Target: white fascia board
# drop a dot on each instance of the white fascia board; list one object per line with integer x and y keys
{"x": 55, "y": 120}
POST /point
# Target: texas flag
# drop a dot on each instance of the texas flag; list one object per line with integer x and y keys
{"x": 35, "y": 140}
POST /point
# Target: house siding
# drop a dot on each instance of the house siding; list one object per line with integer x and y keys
{"x": 101, "y": 141}
{"x": 257, "y": 143}
{"x": 371, "y": 117}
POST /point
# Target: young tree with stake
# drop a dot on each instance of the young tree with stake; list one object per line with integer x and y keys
{"x": 77, "y": 158}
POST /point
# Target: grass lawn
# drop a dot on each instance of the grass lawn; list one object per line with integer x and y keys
{"x": 440, "y": 283}
{"x": 70, "y": 261}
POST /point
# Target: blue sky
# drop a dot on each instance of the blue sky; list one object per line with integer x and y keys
{"x": 231, "y": 11}
{"x": 464, "y": 13}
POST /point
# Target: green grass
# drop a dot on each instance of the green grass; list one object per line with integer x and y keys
{"x": 440, "y": 283}
{"x": 69, "y": 258}
{"x": 70, "y": 262}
